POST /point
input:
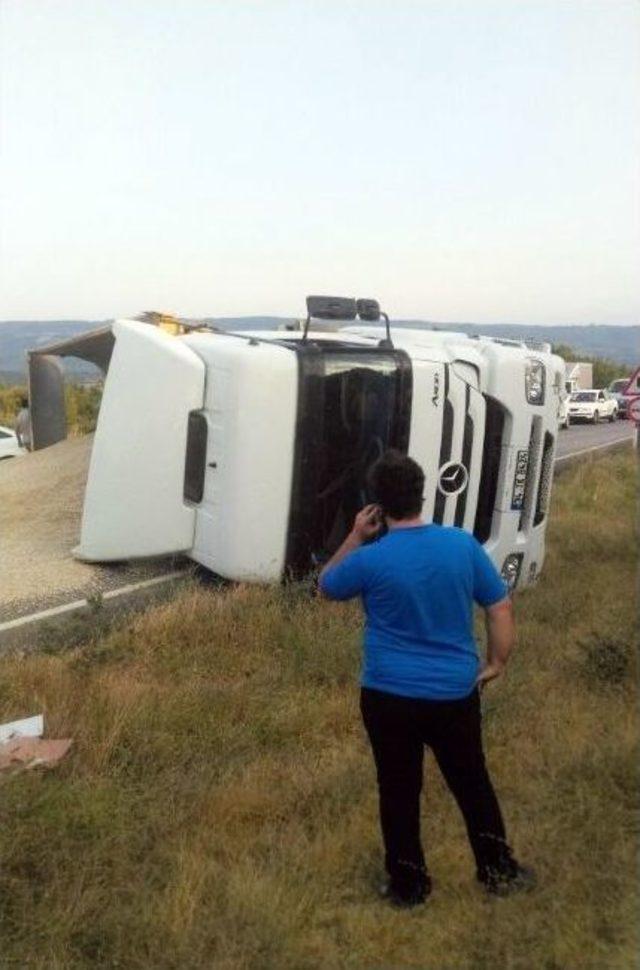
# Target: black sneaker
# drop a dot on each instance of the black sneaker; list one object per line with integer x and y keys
{"x": 504, "y": 881}
{"x": 504, "y": 875}
{"x": 406, "y": 899}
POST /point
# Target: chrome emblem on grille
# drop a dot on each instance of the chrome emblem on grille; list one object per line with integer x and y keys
{"x": 453, "y": 478}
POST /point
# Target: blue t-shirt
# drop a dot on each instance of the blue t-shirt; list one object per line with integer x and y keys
{"x": 418, "y": 586}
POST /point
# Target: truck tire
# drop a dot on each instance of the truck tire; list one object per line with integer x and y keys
{"x": 596, "y": 417}
{"x": 613, "y": 417}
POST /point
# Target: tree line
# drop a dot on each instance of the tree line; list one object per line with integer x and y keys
{"x": 604, "y": 370}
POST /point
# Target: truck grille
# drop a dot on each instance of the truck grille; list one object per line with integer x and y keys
{"x": 445, "y": 447}
{"x": 539, "y": 476}
{"x": 532, "y": 473}
{"x": 491, "y": 458}
{"x": 467, "y": 451}
{"x": 544, "y": 483}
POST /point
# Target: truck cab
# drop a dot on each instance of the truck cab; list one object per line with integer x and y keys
{"x": 268, "y": 437}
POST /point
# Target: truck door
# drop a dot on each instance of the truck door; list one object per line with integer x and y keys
{"x": 134, "y": 503}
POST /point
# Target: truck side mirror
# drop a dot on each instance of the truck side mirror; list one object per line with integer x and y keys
{"x": 331, "y": 307}
{"x": 368, "y": 310}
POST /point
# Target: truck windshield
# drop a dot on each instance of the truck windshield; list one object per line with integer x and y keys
{"x": 354, "y": 403}
{"x": 583, "y": 396}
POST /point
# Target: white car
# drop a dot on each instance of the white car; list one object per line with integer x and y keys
{"x": 9, "y": 447}
{"x": 592, "y": 405}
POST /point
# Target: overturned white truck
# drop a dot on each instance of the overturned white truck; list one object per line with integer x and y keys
{"x": 249, "y": 452}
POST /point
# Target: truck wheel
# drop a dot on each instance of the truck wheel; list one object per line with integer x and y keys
{"x": 596, "y": 417}
{"x": 613, "y": 417}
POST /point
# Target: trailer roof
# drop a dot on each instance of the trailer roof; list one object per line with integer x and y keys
{"x": 94, "y": 345}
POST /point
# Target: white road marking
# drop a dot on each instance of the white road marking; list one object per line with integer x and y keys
{"x": 78, "y": 604}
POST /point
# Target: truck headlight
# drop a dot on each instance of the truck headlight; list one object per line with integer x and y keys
{"x": 534, "y": 380}
{"x": 511, "y": 569}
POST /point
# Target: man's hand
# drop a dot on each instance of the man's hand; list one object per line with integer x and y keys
{"x": 489, "y": 672}
{"x": 367, "y": 523}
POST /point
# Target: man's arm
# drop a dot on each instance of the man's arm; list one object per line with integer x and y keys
{"x": 366, "y": 525}
{"x": 351, "y": 543}
{"x": 501, "y": 638}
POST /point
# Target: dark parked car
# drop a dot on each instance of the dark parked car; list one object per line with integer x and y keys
{"x": 617, "y": 388}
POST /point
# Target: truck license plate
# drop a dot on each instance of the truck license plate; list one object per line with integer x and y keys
{"x": 520, "y": 479}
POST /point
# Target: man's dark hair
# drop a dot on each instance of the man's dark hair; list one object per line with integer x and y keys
{"x": 397, "y": 484}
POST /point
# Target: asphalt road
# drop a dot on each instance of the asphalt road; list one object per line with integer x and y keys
{"x": 580, "y": 438}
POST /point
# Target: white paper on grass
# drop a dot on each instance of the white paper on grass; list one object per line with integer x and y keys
{"x": 27, "y": 727}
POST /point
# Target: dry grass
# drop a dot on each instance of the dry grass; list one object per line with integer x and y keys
{"x": 219, "y": 808}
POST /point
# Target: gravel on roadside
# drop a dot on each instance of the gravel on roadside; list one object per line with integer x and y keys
{"x": 41, "y": 498}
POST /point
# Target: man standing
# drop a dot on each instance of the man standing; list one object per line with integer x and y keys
{"x": 421, "y": 674}
{"x": 23, "y": 425}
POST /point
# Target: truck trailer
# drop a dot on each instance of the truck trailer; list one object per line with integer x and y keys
{"x": 249, "y": 451}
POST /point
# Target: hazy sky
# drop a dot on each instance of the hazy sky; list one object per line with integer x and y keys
{"x": 458, "y": 160}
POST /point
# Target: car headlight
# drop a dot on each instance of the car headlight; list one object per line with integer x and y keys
{"x": 534, "y": 380}
{"x": 511, "y": 569}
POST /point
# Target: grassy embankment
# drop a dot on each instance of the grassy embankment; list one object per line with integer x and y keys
{"x": 219, "y": 809}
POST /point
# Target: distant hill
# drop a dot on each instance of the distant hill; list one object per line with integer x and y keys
{"x": 620, "y": 344}
{"x": 18, "y": 336}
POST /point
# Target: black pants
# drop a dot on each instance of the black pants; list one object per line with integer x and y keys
{"x": 398, "y": 729}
